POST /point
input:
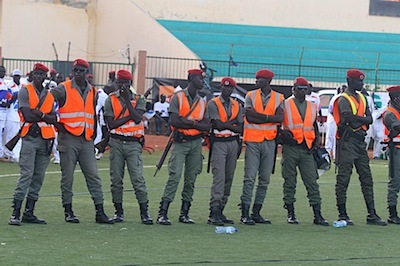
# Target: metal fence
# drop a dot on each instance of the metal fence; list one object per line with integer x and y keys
{"x": 244, "y": 72}
{"x": 99, "y": 70}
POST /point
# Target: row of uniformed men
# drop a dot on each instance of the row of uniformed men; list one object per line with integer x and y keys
{"x": 265, "y": 111}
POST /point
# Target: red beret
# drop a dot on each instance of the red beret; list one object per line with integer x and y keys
{"x": 195, "y": 72}
{"x": 393, "y": 89}
{"x": 81, "y": 62}
{"x": 228, "y": 82}
{"x": 124, "y": 74}
{"x": 39, "y": 66}
{"x": 264, "y": 73}
{"x": 53, "y": 71}
{"x": 355, "y": 73}
{"x": 301, "y": 81}
{"x": 111, "y": 72}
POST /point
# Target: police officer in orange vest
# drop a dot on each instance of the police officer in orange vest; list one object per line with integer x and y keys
{"x": 352, "y": 116}
{"x": 300, "y": 137}
{"x": 187, "y": 111}
{"x": 263, "y": 113}
{"x": 77, "y": 102}
{"x": 391, "y": 119}
{"x": 123, "y": 111}
{"x": 227, "y": 117}
{"x": 37, "y": 114}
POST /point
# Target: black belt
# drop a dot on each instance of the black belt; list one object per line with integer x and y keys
{"x": 226, "y": 139}
{"x": 125, "y": 138}
{"x": 184, "y": 137}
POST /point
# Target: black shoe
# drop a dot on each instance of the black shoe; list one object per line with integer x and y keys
{"x": 257, "y": 218}
{"x": 102, "y": 218}
{"x": 247, "y": 221}
{"x": 14, "y": 221}
{"x": 163, "y": 219}
{"x": 225, "y": 220}
{"x": 118, "y": 217}
{"x": 215, "y": 220}
{"x": 345, "y": 217}
{"x": 320, "y": 221}
{"x": 71, "y": 218}
{"x": 394, "y": 220}
{"x": 146, "y": 219}
{"x": 374, "y": 219}
{"x": 292, "y": 219}
{"x": 29, "y": 217}
{"x": 184, "y": 218}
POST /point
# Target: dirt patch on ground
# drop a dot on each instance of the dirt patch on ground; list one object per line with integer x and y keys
{"x": 156, "y": 142}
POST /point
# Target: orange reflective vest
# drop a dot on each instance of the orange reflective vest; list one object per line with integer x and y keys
{"x": 292, "y": 120}
{"x": 224, "y": 117}
{"x": 196, "y": 115}
{"x": 130, "y": 128}
{"x": 266, "y": 131}
{"x": 357, "y": 108}
{"x": 391, "y": 109}
{"x": 76, "y": 115}
{"x": 46, "y": 130}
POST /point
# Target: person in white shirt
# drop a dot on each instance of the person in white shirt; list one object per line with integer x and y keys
{"x": 12, "y": 125}
{"x": 162, "y": 116}
{"x": 102, "y": 130}
{"x": 5, "y": 96}
{"x": 330, "y": 141}
{"x": 371, "y": 105}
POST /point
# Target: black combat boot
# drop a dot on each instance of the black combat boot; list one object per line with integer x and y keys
{"x": 14, "y": 219}
{"x": 245, "y": 218}
{"x": 28, "y": 216}
{"x": 69, "y": 214}
{"x": 291, "y": 216}
{"x": 215, "y": 216}
{"x": 101, "y": 217}
{"x": 119, "y": 213}
{"x": 343, "y": 214}
{"x": 372, "y": 217}
{"x": 144, "y": 214}
{"x": 318, "y": 219}
{"x": 393, "y": 218}
{"x": 224, "y": 219}
{"x": 256, "y": 216}
{"x": 163, "y": 213}
{"x": 184, "y": 215}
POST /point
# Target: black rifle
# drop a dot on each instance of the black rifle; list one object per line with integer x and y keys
{"x": 277, "y": 141}
{"x": 165, "y": 153}
{"x": 212, "y": 139}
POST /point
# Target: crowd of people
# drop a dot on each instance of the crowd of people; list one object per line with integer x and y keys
{"x": 69, "y": 112}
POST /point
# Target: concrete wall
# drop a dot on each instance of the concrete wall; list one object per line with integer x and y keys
{"x": 349, "y": 15}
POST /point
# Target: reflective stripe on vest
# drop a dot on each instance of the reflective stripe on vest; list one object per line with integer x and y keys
{"x": 130, "y": 128}
{"x": 392, "y": 110}
{"x": 78, "y": 116}
{"x": 302, "y": 130}
{"x": 46, "y": 130}
{"x": 260, "y": 132}
{"x": 356, "y": 108}
{"x": 184, "y": 109}
{"x": 224, "y": 117}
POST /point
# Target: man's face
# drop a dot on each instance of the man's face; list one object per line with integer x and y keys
{"x": 2, "y": 72}
{"x": 300, "y": 92}
{"x": 162, "y": 98}
{"x": 262, "y": 82}
{"x": 39, "y": 76}
{"x": 197, "y": 81}
{"x": 79, "y": 73}
{"x": 16, "y": 79}
{"x": 123, "y": 84}
{"x": 356, "y": 84}
{"x": 226, "y": 91}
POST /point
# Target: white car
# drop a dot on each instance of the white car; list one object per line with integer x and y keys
{"x": 325, "y": 97}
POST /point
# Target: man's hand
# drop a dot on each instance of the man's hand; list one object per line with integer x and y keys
{"x": 37, "y": 112}
{"x": 250, "y": 112}
{"x": 202, "y": 126}
{"x": 124, "y": 92}
{"x": 349, "y": 117}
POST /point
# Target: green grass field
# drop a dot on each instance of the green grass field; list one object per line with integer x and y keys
{"x": 131, "y": 243}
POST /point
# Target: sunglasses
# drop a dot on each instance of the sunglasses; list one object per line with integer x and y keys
{"x": 81, "y": 70}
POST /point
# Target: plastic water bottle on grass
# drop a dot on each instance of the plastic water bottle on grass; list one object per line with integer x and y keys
{"x": 225, "y": 230}
{"x": 340, "y": 223}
